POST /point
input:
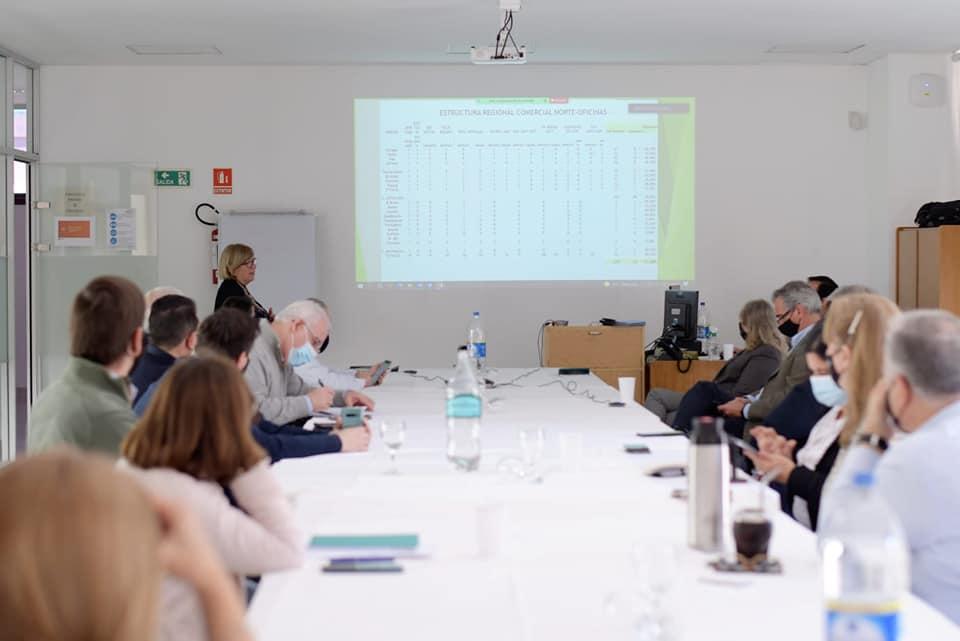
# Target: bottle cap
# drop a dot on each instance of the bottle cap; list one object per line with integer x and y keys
{"x": 707, "y": 430}
{"x": 863, "y": 479}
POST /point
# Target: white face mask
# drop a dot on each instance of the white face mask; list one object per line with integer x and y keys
{"x": 826, "y": 391}
{"x": 301, "y": 355}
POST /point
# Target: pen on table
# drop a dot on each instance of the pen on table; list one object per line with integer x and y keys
{"x": 660, "y": 434}
{"x": 364, "y": 559}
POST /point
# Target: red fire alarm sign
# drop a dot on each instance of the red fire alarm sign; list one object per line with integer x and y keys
{"x": 223, "y": 180}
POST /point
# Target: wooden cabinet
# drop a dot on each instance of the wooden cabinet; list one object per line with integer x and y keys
{"x": 928, "y": 268}
{"x": 609, "y": 352}
{"x": 674, "y": 375}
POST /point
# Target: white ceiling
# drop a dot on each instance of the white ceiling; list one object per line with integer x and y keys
{"x": 96, "y": 32}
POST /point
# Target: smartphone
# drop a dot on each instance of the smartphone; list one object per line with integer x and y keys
{"x": 378, "y": 373}
{"x": 636, "y": 448}
{"x": 668, "y": 471}
{"x": 351, "y": 416}
{"x": 743, "y": 445}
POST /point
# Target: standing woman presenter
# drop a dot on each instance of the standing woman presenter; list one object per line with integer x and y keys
{"x": 237, "y": 269}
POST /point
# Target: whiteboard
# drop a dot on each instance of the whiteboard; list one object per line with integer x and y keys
{"x": 285, "y": 244}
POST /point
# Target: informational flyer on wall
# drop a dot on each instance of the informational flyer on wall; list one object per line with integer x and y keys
{"x": 75, "y": 231}
{"x": 122, "y": 229}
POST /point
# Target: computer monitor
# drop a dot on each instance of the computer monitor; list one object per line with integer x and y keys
{"x": 680, "y": 316}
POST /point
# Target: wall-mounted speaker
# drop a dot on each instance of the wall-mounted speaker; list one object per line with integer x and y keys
{"x": 928, "y": 90}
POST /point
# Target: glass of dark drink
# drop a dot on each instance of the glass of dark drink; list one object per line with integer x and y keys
{"x": 751, "y": 533}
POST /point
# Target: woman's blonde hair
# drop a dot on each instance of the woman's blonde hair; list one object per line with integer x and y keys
{"x": 79, "y": 551}
{"x": 760, "y": 325}
{"x": 198, "y": 423}
{"x": 859, "y": 321}
{"x": 232, "y": 257}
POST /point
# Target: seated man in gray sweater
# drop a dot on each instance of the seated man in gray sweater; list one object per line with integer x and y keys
{"x": 292, "y": 339}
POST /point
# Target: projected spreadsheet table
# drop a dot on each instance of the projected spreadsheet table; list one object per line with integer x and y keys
{"x": 499, "y": 202}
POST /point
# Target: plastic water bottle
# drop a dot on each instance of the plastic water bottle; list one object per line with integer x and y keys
{"x": 477, "y": 342}
{"x": 866, "y": 567}
{"x": 464, "y": 408}
{"x": 703, "y": 323}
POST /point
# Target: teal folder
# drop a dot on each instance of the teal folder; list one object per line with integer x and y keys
{"x": 392, "y": 541}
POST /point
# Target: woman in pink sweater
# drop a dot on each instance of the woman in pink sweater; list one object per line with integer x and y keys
{"x": 84, "y": 549}
{"x": 194, "y": 445}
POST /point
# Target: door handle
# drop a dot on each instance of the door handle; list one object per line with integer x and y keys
{"x": 41, "y": 248}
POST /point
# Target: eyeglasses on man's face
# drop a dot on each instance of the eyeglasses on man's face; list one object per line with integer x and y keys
{"x": 784, "y": 316}
{"x": 316, "y": 342}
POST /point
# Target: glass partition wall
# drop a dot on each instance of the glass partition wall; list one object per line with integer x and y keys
{"x": 18, "y": 158}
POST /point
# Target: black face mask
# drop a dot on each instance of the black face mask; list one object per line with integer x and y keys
{"x": 891, "y": 419}
{"x": 789, "y": 328}
{"x": 743, "y": 332}
{"x": 324, "y": 346}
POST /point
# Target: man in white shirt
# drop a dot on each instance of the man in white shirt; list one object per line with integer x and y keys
{"x": 316, "y": 373}
{"x": 919, "y": 397}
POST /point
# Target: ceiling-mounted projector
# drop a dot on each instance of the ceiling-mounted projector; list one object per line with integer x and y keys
{"x": 494, "y": 56}
{"x": 505, "y": 50}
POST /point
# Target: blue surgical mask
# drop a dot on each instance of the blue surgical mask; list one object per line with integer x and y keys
{"x": 301, "y": 355}
{"x": 826, "y": 391}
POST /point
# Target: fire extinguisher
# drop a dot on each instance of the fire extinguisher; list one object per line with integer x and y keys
{"x": 214, "y": 255}
{"x": 214, "y": 240}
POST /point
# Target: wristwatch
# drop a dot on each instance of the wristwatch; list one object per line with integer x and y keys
{"x": 875, "y": 441}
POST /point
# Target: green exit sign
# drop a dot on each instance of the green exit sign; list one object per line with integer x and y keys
{"x": 171, "y": 178}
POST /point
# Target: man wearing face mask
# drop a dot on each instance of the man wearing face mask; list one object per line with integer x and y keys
{"x": 293, "y": 338}
{"x": 854, "y": 331}
{"x": 797, "y": 307}
{"x": 796, "y": 415}
{"x": 918, "y": 400}
{"x": 316, "y": 372}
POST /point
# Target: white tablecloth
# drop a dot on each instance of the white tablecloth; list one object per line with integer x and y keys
{"x": 562, "y": 562}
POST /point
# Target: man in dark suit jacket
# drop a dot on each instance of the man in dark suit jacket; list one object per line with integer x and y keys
{"x": 797, "y": 307}
{"x": 172, "y": 327}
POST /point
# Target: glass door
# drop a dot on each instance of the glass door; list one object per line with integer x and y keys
{"x": 18, "y": 154}
{"x": 7, "y": 412}
{"x": 89, "y": 220}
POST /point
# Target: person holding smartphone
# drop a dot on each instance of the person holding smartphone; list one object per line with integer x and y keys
{"x": 316, "y": 372}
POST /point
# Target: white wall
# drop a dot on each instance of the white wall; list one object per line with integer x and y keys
{"x": 780, "y": 181}
{"x": 911, "y": 154}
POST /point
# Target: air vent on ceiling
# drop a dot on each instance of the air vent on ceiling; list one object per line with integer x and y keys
{"x": 815, "y": 49}
{"x": 173, "y": 50}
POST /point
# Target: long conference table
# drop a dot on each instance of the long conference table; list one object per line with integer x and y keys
{"x": 508, "y": 558}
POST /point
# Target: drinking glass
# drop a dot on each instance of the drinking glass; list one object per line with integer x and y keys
{"x": 392, "y": 434}
{"x": 655, "y": 564}
{"x": 527, "y": 466}
{"x": 531, "y": 447}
